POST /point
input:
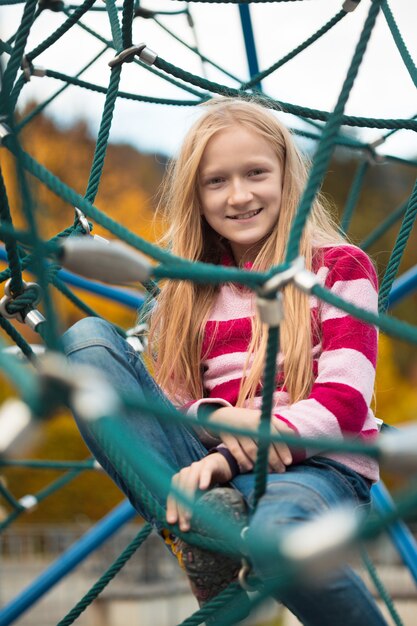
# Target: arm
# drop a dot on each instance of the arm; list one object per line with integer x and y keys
{"x": 339, "y": 401}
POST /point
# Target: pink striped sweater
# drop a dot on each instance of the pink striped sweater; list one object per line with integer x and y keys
{"x": 344, "y": 356}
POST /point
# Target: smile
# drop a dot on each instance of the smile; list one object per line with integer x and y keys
{"x": 244, "y": 216}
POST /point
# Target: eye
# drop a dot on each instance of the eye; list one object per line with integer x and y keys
{"x": 213, "y": 181}
{"x": 257, "y": 171}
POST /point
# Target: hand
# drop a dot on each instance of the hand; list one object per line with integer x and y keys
{"x": 244, "y": 448}
{"x": 199, "y": 475}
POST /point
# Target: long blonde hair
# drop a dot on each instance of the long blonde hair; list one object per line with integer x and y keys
{"x": 179, "y": 318}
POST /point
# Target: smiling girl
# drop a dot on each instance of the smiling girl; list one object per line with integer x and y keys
{"x": 229, "y": 199}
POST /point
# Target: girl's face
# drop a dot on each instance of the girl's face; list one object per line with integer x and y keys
{"x": 240, "y": 186}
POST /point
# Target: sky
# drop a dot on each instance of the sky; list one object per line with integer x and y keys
{"x": 383, "y": 87}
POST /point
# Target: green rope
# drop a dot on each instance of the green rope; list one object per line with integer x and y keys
{"x": 152, "y": 70}
{"x": 201, "y": 56}
{"x": 392, "y": 327}
{"x": 72, "y": 80}
{"x": 103, "y": 136}
{"x": 399, "y": 41}
{"x": 127, "y": 19}
{"x": 325, "y": 147}
{"x": 255, "y": 80}
{"x": 90, "y": 464}
{"x": 398, "y": 250}
{"x": 17, "y": 53}
{"x": 64, "y": 28}
{"x": 232, "y": 594}
{"x": 114, "y": 25}
{"x": 41, "y": 495}
{"x": 38, "y": 109}
{"x": 286, "y": 107}
{"x": 10, "y": 499}
{"x": 70, "y": 295}
{"x": 107, "y": 577}
{"x": 17, "y": 338}
{"x": 382, "y": 228}
{"x": 261, "y": 465}
{"x": 51, "y": 336}
{"x": 16, "y": 284}
{"x": 130, "y": 468}
{"x": 353, "y": 197}
{"x": 380, "y": 587}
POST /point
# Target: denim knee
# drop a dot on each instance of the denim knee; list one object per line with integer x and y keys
{"x": 89, "y": 331}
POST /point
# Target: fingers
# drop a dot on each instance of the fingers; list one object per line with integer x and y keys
{"x": 186, "y": 481}
{"x": 280, "y": 455}
{"x": 243, "y": 449}
{"x": 198, "y": 475}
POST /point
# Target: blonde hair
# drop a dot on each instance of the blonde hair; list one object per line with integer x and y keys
{"x": 178, "y": 321}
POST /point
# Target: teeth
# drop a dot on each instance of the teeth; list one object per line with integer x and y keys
{"x": 244, "y": 216}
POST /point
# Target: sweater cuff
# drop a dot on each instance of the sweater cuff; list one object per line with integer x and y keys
{"x": 225, "y": 452}
{"x": 298, "y": 454}
{"x": 192, "y": 409}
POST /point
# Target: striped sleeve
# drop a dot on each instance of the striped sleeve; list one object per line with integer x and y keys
{"x": 338, "y": 404}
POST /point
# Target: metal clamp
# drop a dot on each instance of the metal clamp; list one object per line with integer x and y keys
{"x": 305, "y": 281}
{"x": 52, "y": 5}
{"x": 5, "y": 130}
{"x": 144, "y": 53}
{"x": 373, "y": 157}
{"x": 30, "y": 70}
{"x": 27, "y": 67}
{"x": 83, "y": 220}
{"x": 244, "y": 572}
{"x": 33, "y": 318}
{"x": 279, "y": 280}
{"x": 28, "y": 502}
{"x": 350, "y": 5}
{"x": 271, "y": 310}
{"x": 145, "y": 13}
{"x": 9, "y": 297}
{"x": 136, "y": 337}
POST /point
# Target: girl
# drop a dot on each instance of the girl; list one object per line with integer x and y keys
{"x": 229, "y": 199}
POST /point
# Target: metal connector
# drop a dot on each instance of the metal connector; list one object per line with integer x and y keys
{"x": 305, "y": 281}
{"x": 16, "y": 426}
{"x": 244, "y": 572}
{"x": 85, "y": 388}
{"x": 350, "y": 5}
{"x": 271, "y": 310}
{"x": 83, "y": 220}
{"x": 33, "y": 319}
{"x": 398, "y": 449}
{"x": 5, "y": 130}
{"x": 108, "y": 261}
{"x": 30, "y": 70}
{"x": 28, "y": 502}
{"x": 9, "y": 297}
{"x": 145, "y": 54}
{"x": 136, "y": 337}
{"x": 321, "y": 543}
{"x": 279, "y": 280}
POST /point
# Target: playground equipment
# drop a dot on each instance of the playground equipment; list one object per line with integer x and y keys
{"x": 50, "y": 384}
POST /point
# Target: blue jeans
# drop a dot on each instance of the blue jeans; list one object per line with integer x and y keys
{"x": 301, "y": 493}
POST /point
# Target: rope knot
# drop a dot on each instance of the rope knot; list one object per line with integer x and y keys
{"x": 17, "y": 306}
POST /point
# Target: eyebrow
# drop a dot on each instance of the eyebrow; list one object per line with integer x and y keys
{"x": 254, "y": 162}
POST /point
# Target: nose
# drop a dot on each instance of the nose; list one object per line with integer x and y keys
{"x": 240, "y": 193}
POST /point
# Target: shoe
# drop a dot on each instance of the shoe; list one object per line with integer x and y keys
{"x": 210, "y": 573}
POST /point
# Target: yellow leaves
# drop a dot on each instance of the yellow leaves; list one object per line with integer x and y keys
{"x": 396, "y": 395}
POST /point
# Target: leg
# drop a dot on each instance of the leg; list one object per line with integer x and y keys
{"x": 94, "y": 342}
{"x": 302, "y": 493}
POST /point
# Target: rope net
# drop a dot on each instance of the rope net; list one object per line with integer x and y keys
{"x": 49, "y": 385}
